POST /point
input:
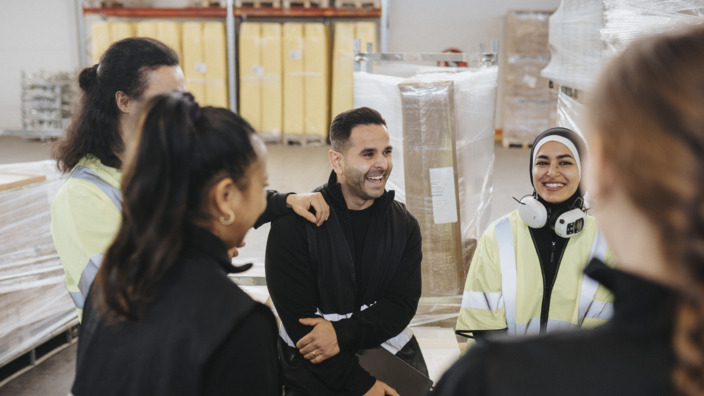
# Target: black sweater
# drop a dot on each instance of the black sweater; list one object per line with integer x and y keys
{"x": 201, "y": 335}
{"x": 294, "y": 280}
{"x": 630, "y": 355}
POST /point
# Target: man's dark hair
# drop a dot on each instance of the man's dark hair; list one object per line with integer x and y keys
{"x": 341, "y": 127}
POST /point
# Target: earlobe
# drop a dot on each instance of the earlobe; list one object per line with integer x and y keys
{"x": 227, "y": 196}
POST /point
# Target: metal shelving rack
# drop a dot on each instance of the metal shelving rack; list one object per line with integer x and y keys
{"x": 231, "y": 15}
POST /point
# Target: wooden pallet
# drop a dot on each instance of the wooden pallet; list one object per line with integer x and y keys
{"x": 258, "y": 3}
{"x": 304, "y": 140}
{"x": 270, "y": 137}
{"x": 306, "y": 3}
{"x": 358, "y": 4}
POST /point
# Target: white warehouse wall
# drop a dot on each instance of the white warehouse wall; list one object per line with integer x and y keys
{"x": 42, "y": 35}
{"x": 34, "y": 35}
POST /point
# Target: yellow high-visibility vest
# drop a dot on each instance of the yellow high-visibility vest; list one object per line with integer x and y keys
{"x": 504, "y": 286}
{"x": 85, "y": 216}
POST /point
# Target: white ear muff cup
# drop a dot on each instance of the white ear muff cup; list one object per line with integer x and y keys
{"x": 532, "y": 212}
{"x": 570, "y": 223}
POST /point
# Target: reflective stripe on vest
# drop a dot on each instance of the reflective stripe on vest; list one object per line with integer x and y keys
{"x": 87, "y": 174}
{"x": 91, "y": 269}
{"x": 393, "y": 344}
{"x": 588, "y": 308}
{"x": 507, "y": 262}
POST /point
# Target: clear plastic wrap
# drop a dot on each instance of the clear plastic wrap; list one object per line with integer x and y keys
{"x": 628, "y": 20}
{"x": 570, "y": 112}
{"x": 526, "y": 96}
{"x": 35, "y": 302}
{"x": 575, "y": 44}
{"x": 48, "y": 99}
{"x": 585, "y": 34}
{"x": 441, "y": 124}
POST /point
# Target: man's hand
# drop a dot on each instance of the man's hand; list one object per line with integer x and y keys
{"x": 381, "y": 389}
{"x": 321, "y": 343}
{"x": 301, "y": 204}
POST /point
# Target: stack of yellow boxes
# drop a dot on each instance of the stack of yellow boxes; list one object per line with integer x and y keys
{"x": 287, "y": 88}
{"x": 260, "y": 78}
{"x": 201, "y": 47}
{"x": 343, "y": 61}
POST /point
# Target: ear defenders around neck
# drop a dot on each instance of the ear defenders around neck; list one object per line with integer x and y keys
{"x": 565, "y": 223}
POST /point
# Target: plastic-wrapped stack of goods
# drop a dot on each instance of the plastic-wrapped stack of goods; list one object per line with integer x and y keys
{"x": 261, "y": 88}
{"x": 586, "y": 34}
{"x": 201, "y": 47}
{"x": 441, "y": 125}
{"x": 342, "y": 97}
{"x": 48, "y": 99}
{"x": 526, "y": 98}
{"x": 35, "y": 302}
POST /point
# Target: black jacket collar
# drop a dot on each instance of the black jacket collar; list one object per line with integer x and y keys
{"x": 204, "y": 243}
{"x": 333, "y": 190}
{"x": 639, "y": 304}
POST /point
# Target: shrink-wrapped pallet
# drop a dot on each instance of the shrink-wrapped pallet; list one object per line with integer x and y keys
{"x": 169, "y": 33}
{"x": 431, "y": 194}
{"x": 121, "y": 30}
{"x": 100, "y": 39}
{"x": 342, "y": 68}
{"x": 215, "y": 55}
{"x": 34, "y": 299}
{"x": 526, "y": 102}
{"x": 146, "y": 29}
{"x": 419, "y": 131}
{"x": 575, "y": 46}
{"x": 342, "y": 97}
{"x": 193, "y": 62}
{"x": 586, "y": 34}
{"x": 293, "y": 78}
{"x": 250, "y": 60}
{"x": 316, "y": 68}
{"x": 271, "y": 84}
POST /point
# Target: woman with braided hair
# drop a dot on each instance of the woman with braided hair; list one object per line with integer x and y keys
{"x": 646, "y": 138}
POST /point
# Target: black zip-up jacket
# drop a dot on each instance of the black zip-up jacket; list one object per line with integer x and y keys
{"x": 629, "y": 355}
{"x": 202, "y": 335}
{"x": 311, "y": 268}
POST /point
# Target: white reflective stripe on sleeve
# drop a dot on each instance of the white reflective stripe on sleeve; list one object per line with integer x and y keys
{"x": 600, "y": 310}
{"x": 393, "y": 344}
{"x": 507, "y": 262}
{"x": 87, "y": 174}
{"x": 589, "y": 285}
{"x": 78, "y": 299}
{"x": 88, "y": 276}
{"x": 491, "y": 301}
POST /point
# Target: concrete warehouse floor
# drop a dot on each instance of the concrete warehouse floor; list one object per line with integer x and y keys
{"x": 291, "y": 168}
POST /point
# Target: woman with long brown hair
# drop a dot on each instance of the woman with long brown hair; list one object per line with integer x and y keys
{"x": 86, "y": 211}
{"x": 646, "y": 137}
{"x": 162, "y": 317}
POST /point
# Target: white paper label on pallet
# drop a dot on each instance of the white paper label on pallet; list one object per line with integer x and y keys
{"x": 295, "y": 54}
{"x": 201, "y": 68}
{"x": 442, "y": 191}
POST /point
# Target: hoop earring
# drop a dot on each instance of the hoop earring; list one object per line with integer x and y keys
{"x": 227, "y": 221}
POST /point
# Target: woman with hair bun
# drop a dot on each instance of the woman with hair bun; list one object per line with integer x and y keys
{"x": 162, "y": 317}
{"x": 646, "y": 138}
{"x": 86, "y": 211}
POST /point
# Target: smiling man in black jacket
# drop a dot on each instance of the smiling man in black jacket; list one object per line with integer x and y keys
{"x": 354, "y": 282}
